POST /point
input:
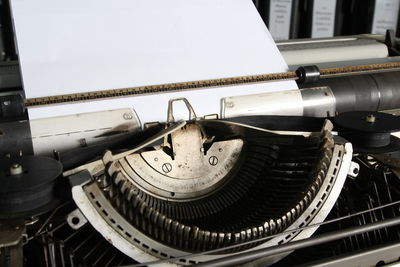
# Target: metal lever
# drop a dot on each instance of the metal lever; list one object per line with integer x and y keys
{"x": 170, "y": 118}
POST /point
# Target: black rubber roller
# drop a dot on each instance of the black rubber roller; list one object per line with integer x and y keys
{"x": 28, "y": 186}
{"x": 308, "y": 74}
{"x": 368, "y": 131}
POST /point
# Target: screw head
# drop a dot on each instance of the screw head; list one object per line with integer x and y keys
{"x": 229, "y": 104}
{"x": 213, "y": 160}
{"x": 127, "y": 116}
{"x": 167, "y": 167}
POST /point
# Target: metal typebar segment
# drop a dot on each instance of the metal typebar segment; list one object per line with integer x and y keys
{"x": 233, "y": 81}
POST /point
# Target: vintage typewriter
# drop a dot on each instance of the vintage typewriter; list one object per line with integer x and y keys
{"x": 301, "y": 177}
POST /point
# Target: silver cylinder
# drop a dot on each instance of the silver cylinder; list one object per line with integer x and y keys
{"x": 311, "y": 102}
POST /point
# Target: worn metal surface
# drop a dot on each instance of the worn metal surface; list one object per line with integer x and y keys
{"x": 98, "y": 165}
{"x": 76, "y": 219}
{"x": 189, "y": 171}
{"x": 11, "y": 232}
{"x": 81, "y": 130}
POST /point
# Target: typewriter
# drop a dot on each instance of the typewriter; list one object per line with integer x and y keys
{"x": 301, "y": 177}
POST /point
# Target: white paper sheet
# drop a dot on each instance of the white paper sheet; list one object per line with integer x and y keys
{"x": 69, "y": 46}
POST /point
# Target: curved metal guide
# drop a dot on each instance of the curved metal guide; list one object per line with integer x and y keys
{"x": 213, "y": 184}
